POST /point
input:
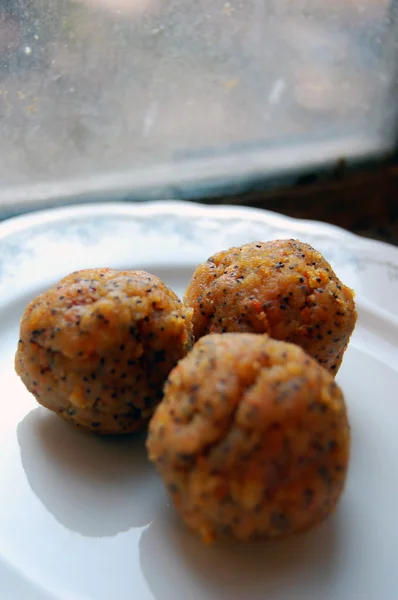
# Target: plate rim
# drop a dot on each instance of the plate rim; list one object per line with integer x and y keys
{"x": 28, "y": 220}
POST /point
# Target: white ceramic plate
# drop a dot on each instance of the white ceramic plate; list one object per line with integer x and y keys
{"x": 85, "y": 518}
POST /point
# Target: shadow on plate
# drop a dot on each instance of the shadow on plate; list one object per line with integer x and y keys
{"x": 94, "y": 486}
{"x": 174, "y": 561}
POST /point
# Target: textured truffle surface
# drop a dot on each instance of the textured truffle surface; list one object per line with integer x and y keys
{"x": 284, "y": 288}
{"x": 251, "y": 439}
{"x": 97, "y": 347}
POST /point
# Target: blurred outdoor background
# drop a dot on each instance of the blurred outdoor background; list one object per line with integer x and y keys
{"x": 290, "y": 105}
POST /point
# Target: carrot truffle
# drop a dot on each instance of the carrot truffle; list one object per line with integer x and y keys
{"x": 251, "y": 439}
{"x": 97, "y": 347}
{"x": 284, "y": 288}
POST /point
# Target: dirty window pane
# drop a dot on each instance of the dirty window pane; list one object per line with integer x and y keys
{"x": 108, "y": 95}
